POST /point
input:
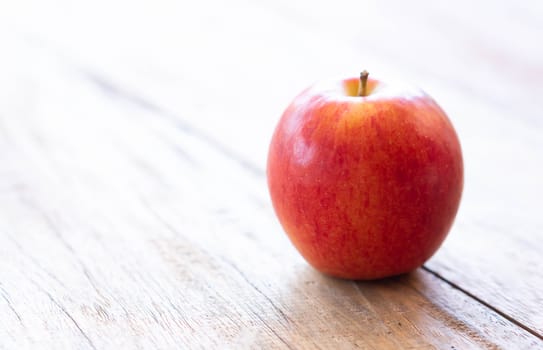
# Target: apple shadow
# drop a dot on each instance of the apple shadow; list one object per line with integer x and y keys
{"x": 414, "y": 304}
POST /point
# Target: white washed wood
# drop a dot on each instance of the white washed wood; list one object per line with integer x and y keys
{"x": 230, "y": 68}
{"x": 122, "y": 228}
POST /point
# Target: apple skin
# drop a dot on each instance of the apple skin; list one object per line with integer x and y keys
{"x": 365, "y": 187}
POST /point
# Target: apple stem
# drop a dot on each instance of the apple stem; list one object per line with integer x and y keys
{"x": 362, "y": 88}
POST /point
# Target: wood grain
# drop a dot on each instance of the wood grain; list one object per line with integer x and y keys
{"x": 134, "y": 204}
{"x": 121, "y": 229}
{"x": 228, "y": 70}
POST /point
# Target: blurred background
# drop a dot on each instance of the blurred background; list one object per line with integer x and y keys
{"x": 229, "y": 68}
{"x": 249, "y": 58}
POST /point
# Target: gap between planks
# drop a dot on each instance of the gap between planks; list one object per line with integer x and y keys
{"x": 482, "y": 302}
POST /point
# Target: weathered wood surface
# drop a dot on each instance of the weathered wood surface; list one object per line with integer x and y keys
{"x": 135, "y": 214}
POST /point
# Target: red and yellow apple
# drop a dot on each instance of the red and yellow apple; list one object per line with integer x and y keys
{"x": 365, "y": 177}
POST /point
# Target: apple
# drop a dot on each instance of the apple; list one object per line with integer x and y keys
{"x": 365, "y": 177}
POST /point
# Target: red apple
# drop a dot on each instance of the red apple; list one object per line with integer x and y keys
{"x": 365, "y": 177}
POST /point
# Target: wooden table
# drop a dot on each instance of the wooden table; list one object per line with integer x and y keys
{"x": 135, "y": 212}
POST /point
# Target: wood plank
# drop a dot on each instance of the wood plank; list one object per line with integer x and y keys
{"x": 229, "y": 70}
{"x": 121, "y": 229}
